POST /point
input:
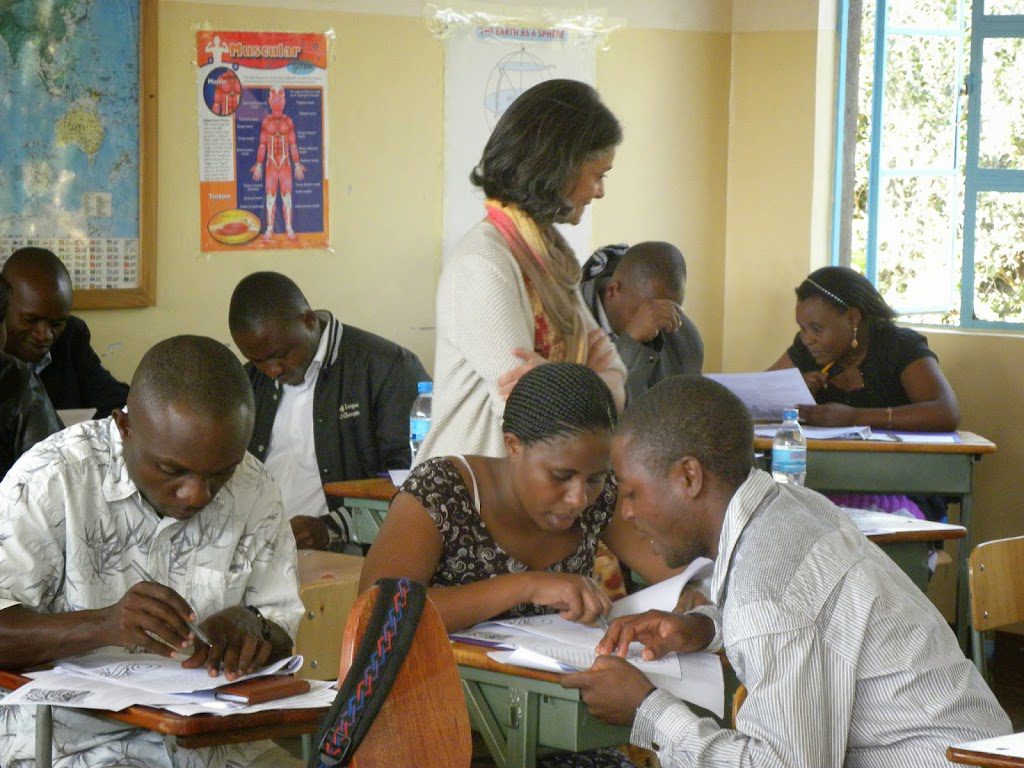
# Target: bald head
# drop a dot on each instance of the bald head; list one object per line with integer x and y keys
{"x": 691, "y": 416}
{"x": 199, "y": 374}
{"x": 653, "y": 262}
{"x": 38, "y": 264}
{"x": 262, "y": 299}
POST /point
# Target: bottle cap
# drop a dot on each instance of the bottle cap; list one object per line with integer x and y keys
{"x": 790, "y": 414}
{"x": 425, "y": 387}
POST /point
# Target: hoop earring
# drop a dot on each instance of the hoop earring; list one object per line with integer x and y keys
{"x": 854, "y": 344}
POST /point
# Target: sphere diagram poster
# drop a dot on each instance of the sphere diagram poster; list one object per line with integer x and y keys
{"x": 486, "y": 68}
{"x": 262, "y": 106}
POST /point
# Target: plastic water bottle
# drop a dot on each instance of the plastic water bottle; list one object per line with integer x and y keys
{"x": 789, "y": 451}
{"x": 419, "y": 416}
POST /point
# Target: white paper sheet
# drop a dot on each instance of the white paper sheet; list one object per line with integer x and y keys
{"x": 767, "y": 393}
{"x": 158, "y": 674}
{"x": 699, "y": 680}
{"x": 61, "y": 688}
{"x": 871, "y": 522}
{"x": 664, "y": 595}
{"x": 398, "y": 476}
{"x": 819, "y": 433}
{"x": 918, "y": 438}
{"x": 1011, "y": 745}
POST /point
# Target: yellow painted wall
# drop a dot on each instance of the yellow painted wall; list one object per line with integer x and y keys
{"x": 385, "y": 102}
{"x": 670, "y": 89}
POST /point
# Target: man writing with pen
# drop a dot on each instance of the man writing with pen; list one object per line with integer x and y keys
{"x": 165, "y": 490}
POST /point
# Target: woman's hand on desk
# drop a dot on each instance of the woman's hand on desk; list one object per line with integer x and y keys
{"x": 576, "y": 598}
{"x": 828, "y": 415}
{"x": 659, "y": 632}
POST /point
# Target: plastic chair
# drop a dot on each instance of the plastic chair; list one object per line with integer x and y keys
{"x": 424, "y": 720}
{"x": 996, "y": 579}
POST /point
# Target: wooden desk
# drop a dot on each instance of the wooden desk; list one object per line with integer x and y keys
{"x": 188, "y": 732}
{"x": 1000, "y": 752}
{"x": 367, "y": 502}
{"x": 868, "y": 466}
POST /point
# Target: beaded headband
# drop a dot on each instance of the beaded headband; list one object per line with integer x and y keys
{"x": 828, "y": 293}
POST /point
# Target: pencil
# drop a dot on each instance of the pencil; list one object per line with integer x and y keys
{"x": 144, "y": 575}
{"x": 827, "y": 366}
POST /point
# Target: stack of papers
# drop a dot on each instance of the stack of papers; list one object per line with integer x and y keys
{"x": 553, "y": 644}
{"x": 873, "y": 523}
{"x": 819, "y": 433}
{"x": 113, "y": 679}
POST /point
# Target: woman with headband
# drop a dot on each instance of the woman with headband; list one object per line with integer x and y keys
{"x": 860, "y": 366}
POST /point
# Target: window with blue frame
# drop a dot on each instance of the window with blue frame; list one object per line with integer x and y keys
{"x": 930, "y": 163}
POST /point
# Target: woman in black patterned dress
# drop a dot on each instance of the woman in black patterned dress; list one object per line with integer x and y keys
{"x": 516, "y": 536}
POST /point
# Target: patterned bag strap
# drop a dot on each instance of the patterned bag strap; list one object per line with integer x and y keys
{"x": 378, "y": 659}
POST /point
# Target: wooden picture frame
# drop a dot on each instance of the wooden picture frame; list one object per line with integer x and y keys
{"x": 144, "y": 295}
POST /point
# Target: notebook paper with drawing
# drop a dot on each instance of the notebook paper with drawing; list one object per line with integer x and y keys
{"x": 158, "y": 674}
{"x": 553, "y": 644}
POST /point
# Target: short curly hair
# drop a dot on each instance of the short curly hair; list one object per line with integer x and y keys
{"x": 540, "y": 144}
{"x": 691, "y": 416}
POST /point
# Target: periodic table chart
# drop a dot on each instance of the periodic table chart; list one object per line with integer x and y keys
{"x": 94, "y": 263}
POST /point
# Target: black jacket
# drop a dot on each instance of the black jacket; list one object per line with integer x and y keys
{"x": 75, "y": 377}
{"x": 26, "y": 415}
{"x": 361, "y": 406}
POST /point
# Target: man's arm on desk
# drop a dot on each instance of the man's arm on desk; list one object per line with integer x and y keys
{"x": 28, "y": 638}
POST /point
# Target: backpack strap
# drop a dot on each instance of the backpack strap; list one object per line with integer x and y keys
{"x": 377, "y": 661}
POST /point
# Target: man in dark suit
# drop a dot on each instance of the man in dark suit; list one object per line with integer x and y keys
{"x": 42, "y": 333}
{"x": 332, "y": 401}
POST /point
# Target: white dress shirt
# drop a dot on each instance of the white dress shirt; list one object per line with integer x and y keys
{"x": 845, "y": 660}
{"x": 72, "y": 521}
{"x": 291, "y": 455}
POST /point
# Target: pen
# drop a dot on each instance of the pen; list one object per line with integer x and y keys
{"x": 144, "y": 575}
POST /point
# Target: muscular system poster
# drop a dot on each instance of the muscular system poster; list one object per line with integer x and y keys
{"x": 262, "y": 104}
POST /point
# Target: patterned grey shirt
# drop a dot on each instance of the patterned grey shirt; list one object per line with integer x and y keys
{"x": 845, "y": 661}
{"x": 71, "y": 521}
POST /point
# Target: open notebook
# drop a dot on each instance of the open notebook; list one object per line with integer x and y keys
{"x": 553, "y": 644}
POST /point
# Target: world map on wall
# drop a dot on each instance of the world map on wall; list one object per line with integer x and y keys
{"x": 69, "y": 95}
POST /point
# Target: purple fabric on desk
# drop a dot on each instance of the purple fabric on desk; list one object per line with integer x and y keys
{"x": 894, "y": 505}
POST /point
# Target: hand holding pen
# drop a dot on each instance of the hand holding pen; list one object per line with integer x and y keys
{"x": 152, "y": 617}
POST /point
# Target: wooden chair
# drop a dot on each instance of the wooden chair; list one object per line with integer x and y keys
{"x": 328, "y": 587}
{"x": 737, "y": 701}
{"x": 424, "y": 720}
{"x": 996, "y": 579}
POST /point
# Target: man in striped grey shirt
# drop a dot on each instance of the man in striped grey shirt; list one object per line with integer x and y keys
{"x": 845, "y": 661}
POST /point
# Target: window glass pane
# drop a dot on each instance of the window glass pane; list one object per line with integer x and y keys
{"x": 999, "y": 257}
{"x": 1001, "y": 142}
{"x": 922, "y": 14}
{"x": 1004, "y": 7}
{"x": 916, "y": 231}
{"x": 920, "y": 102}
{"x": 862, "y": 150}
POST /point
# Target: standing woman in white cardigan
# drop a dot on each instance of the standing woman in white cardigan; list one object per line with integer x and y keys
{"x": 508, "y": 298}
